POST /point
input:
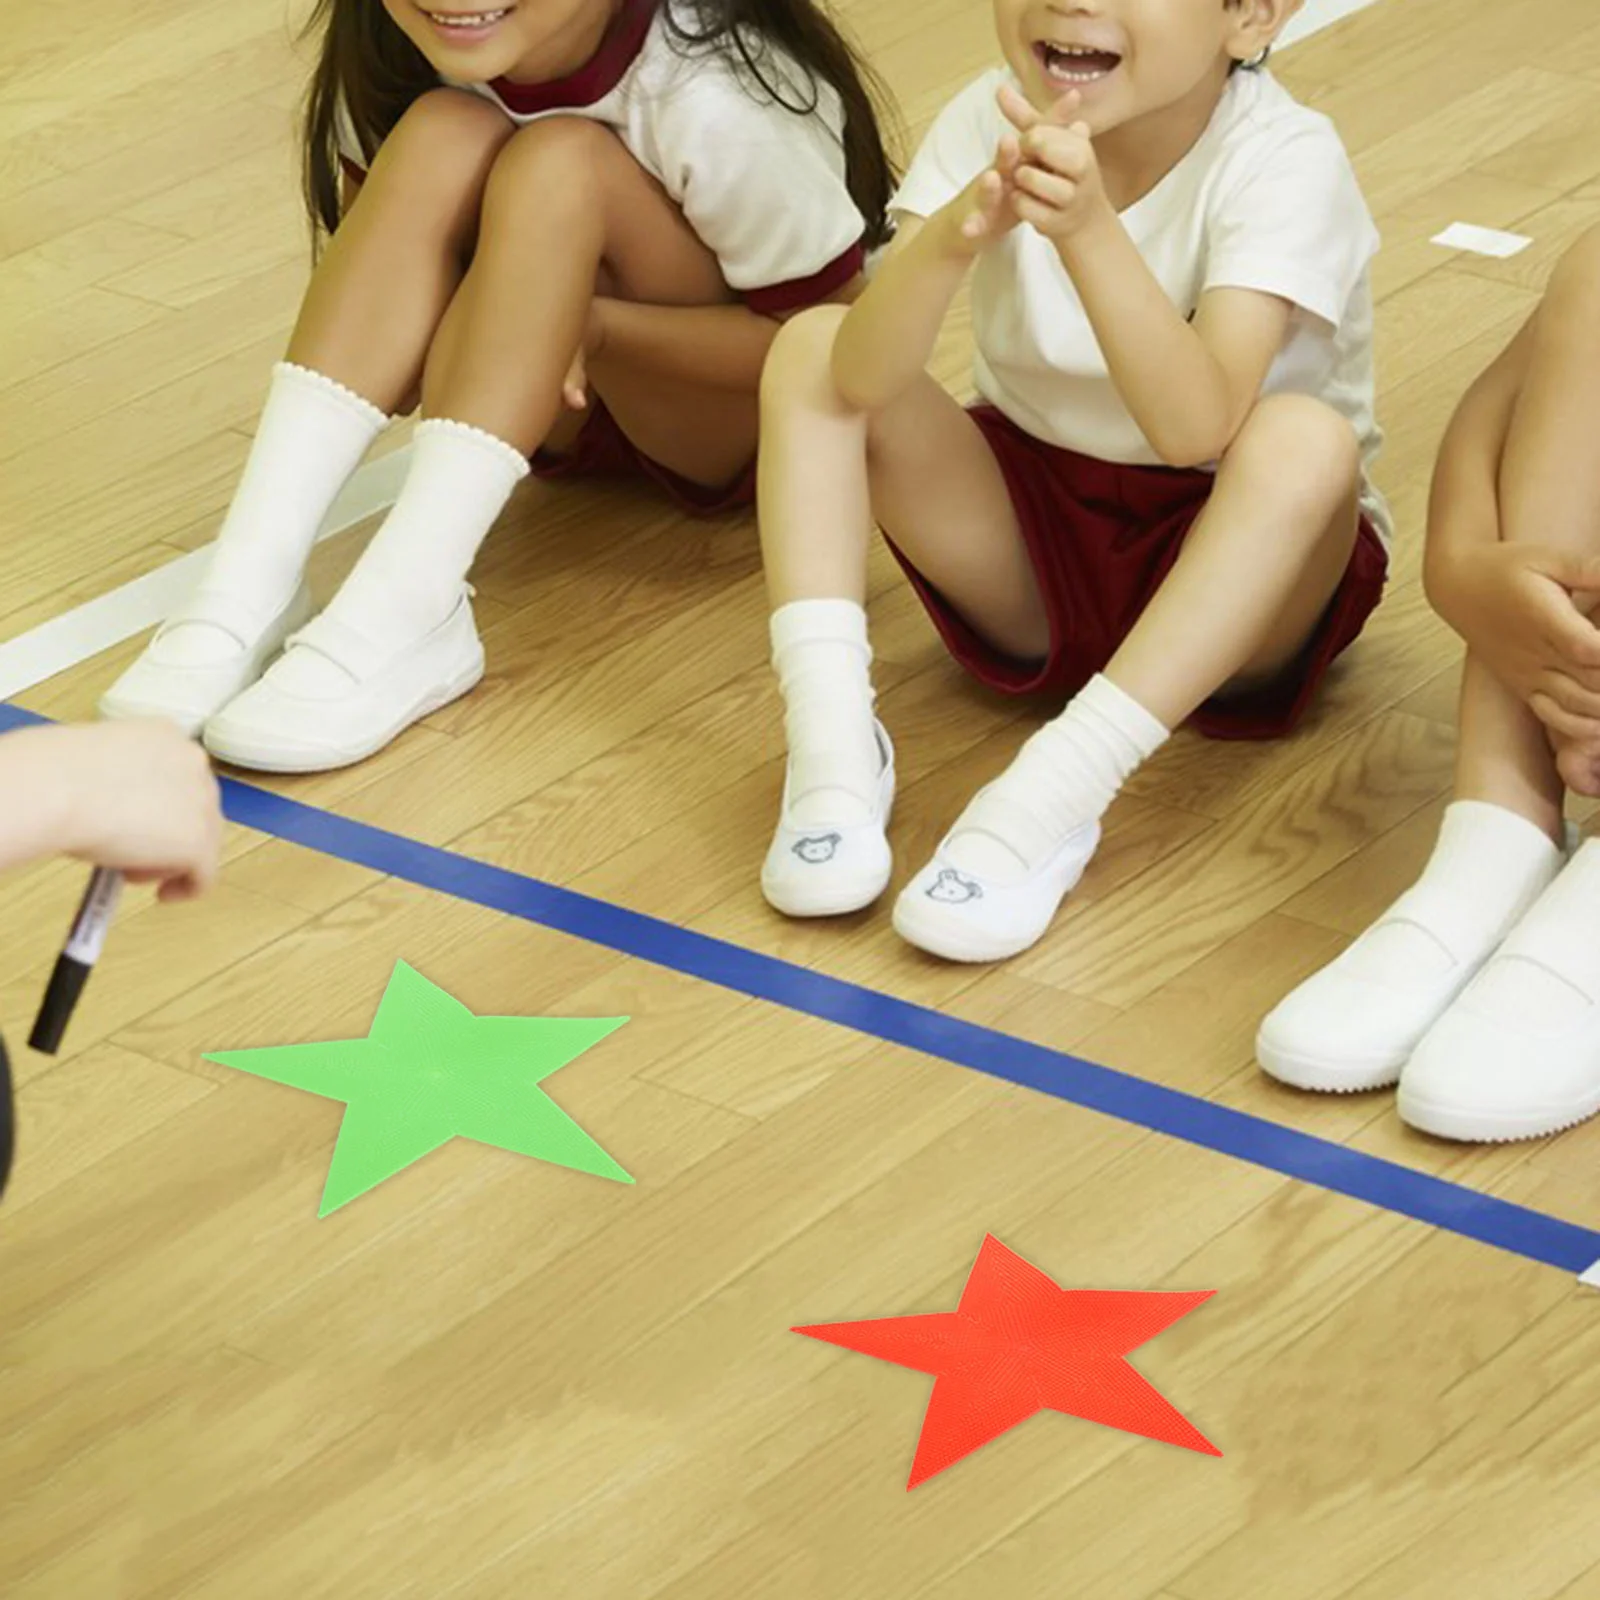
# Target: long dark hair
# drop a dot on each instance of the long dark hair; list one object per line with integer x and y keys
{"x": 370, "y": 66}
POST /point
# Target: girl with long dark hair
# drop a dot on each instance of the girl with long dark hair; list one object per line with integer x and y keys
{"x": 571, "y": 229}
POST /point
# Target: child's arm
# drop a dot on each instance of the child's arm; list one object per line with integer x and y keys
{"x": 1189, "y": 387}
{"x": 884, "y": 343}
{"x": 137, "y": 796}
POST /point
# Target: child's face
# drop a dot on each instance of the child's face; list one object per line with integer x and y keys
{"x": 1128, "y": 58}
{"x": 471, "y": 42}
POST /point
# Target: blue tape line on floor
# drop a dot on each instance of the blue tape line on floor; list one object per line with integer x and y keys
{"x": 1336, "y": 1167}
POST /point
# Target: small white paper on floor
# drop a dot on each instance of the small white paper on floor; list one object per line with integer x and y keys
{"x": 1482, "y": 241}
{"x": 1592, "y": 1276}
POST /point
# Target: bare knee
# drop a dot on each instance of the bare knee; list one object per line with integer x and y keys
{"x": 561, "y": 161}
{"x": 447, "y": 139}
{"x": 799, "y": 366}
{"x": 1571, "y": 307}
{"x": 1303, "y": 454}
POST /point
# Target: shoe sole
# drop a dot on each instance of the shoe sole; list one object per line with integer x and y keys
{"x": 937, "y": 941}
{"x": 326, "y": 761}
{"x": 110, "y": 710}
{"x": 1476, "y": 1127}
{"x": 113, "y": 710}
{"x": 839, "y": 903}
{"x": 1324, "y": 1077}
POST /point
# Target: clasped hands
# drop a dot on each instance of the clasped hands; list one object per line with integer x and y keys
{"x": 1045, "y": 173}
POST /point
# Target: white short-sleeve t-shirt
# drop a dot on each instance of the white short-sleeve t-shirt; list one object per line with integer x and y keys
{"x": 1266, "y": 200}
{"x": 763, "y": 186}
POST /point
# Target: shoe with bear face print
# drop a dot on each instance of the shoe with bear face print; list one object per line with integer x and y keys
{"x": 954, "y": 914}
{"x": 830, "y": 869}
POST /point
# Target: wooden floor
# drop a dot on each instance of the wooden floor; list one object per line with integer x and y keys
{"x": 494, "y": 1378}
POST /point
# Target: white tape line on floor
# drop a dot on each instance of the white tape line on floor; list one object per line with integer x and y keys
{"x": 53, "y": 647}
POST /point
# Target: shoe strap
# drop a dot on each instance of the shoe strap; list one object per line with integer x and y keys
{"x": 826, "y": 770}
{"x": 1008, "y": 823}
{"x": 352, "y": 653}
{"x": 218, "y": 608}
{"x": 1559, "y": 934}
{"x": 829, "y": 770}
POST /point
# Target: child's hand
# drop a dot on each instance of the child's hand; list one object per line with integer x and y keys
{"x": 132, "y": 795}
{"x": 983, "y": 212}
{"x": 1517, "y": 607}
{"x": 575, "y": 386}
{"x": 1578, "y": 762}
{"x": 1057, "y": 186}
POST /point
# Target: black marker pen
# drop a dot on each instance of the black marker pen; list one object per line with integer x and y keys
{"x": 77, "y": 960}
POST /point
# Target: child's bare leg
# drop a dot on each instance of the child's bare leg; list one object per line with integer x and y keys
{"x": 391, "y": 270}
{"x": 372, "y": 308}
{"x": 565, "y": 203}
{"x": 921, "y": 467}
{"x": 652, "y": 256}
{"x": 1519, "y": 1054}
{"x": 825, "y": 468}
{"x": 1257, "y": 570}
{"x": 1550, "y": 471}
{"x": 1503, "y": 755}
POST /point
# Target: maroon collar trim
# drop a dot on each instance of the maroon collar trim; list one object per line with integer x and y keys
{"x": 593, "y": 81}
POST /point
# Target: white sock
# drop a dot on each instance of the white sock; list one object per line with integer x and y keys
{"x": 1488, "y": 867}
{"x": 410, "y": 577}
{"x": 822, "y": 656}
{"x": 1063, "y": 778}
{"x": 312, "y": 435}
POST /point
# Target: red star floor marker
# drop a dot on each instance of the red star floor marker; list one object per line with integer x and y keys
{"x": 1018, "y": 1344}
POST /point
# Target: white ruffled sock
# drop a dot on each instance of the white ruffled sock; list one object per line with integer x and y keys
{"x": 410, "y": 577}
{"x": 312, "y": 435}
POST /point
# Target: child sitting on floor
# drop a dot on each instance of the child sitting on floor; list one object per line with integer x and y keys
{"x": 1479, "y": 989}
{"x": 1161, "y": 508}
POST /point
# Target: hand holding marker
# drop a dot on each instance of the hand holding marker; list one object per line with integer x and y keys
{"x": 134, "y": 799}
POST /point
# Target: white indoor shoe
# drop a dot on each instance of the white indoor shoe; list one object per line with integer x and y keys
{"x": 1518, "y": 1055}
{"x": 162, "y": 684}
{"x": 333, "y": 698}
{"x": 1354, "y": 1025}
{"x": 1350, "y": 1027}
{"x": 962, "y": 917}
{"x": 827, "y": 869}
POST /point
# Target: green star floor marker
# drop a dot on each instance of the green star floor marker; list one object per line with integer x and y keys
{"x": 431, "y": 1071}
